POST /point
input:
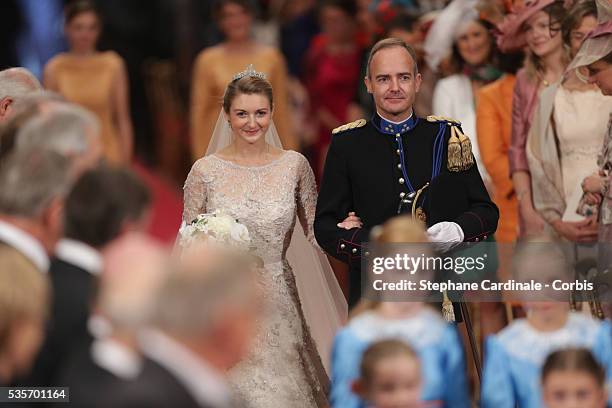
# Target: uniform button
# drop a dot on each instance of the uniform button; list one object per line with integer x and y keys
{"x": 354, "y": 250}
{"x": 399, "y": 166}
{"x": 476, "y": 239}
{"x": 397, "y": 134}
{"x": 367, "y": 254}
{"x": 342, "y": 246}
{"x": 401, "y": 181}
{"x": 398, "y": 151}
{"x": 402, "y": 194}
{"x": 485, "y": 237}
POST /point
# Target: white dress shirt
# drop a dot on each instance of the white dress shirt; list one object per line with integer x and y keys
{"x": 79, "y": 254}
{"x": 115, "y": 358}
{"x": 25, "y": 243}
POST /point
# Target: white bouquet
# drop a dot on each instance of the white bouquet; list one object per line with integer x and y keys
{"x": 217, "y": 227}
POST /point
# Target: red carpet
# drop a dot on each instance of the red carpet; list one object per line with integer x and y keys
{"x": 167, "y": 205}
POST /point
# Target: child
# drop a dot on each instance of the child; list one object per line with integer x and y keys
{"x": 390, "y": 376}
{"x": 514, "y": 357}
{"x": 573, "y": 378}
{"x": 434, "y": 340}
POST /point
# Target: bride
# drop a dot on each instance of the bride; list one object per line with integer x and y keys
{"x": 248, "y": 175}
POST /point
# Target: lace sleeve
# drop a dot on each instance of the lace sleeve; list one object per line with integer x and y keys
{"x": 306, "y": 199}
{"x": 194, "y": 193}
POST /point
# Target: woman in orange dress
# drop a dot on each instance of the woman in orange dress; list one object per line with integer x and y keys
{"x": 93, "y": 79}
{"x": 494, "y": 125}
{"x": 215, "y": 66}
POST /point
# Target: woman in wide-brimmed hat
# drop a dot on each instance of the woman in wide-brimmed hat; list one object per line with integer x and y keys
{"x": 536, "y": 25}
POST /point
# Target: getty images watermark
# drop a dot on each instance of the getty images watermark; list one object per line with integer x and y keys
{"x": 485, "y": 272}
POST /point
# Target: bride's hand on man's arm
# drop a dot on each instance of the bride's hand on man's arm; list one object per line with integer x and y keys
{"x": 350, "y": 222}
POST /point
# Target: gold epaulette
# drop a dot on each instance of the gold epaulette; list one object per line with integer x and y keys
{"x": 353, "y": 125}
{"x": 432, "y": 118}
{"x": 460, "y": 157}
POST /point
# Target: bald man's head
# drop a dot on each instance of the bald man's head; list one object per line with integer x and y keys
{"x": 14, "y": 84}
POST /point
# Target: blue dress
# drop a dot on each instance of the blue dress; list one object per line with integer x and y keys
{"x": 435, "y": 341}
{"x": 515, "y": 356}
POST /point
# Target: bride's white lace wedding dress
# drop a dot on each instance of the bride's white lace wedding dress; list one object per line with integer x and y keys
{"x": 284, "y": 369}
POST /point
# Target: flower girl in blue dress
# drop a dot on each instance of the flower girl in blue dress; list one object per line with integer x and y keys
{"x": 436, "y": 342}
{"x": 514, "y": 357}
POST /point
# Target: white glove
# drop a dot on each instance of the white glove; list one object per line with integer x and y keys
{"x": 445, "y": 235}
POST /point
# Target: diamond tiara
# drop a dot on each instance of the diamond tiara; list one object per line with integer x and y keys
{"x": 250, "y": 72}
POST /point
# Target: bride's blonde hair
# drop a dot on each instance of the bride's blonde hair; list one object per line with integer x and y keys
{"x": 248, "y": 85}
{"x": 401, "y": 229}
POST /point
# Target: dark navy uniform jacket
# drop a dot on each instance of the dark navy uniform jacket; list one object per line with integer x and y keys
{"x": 369, "y": 171}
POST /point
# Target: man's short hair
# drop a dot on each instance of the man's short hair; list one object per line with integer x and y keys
{"x": 64, "y": 129}
{"x": 24, "y": 109}
{"x": 101, "y": 200}
{"x": 391, "y": 43}
{"x": 31, "y": 180}
{"x": 16, "y": 82}
{"x": 38, "y": 100}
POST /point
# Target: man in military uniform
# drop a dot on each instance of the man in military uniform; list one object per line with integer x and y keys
{"x": 399, "y": 163}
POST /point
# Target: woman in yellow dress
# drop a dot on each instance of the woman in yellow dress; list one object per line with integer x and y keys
{"x": 215, "y": 66}
{"x": 93, "y": 79}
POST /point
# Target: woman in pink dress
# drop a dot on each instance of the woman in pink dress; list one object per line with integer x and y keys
{"x": 537, "y": 25}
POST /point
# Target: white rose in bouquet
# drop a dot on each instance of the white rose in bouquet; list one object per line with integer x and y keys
{"x": 217, "y": 227}
{"x": 220, "y": 225}
{"x": 240, "y": 233}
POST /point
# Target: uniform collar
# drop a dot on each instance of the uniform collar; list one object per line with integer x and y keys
{"x": 392, "y": 128}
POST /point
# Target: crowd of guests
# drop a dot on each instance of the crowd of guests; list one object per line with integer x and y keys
{"x": 89, "y": 300}
{"x": 81, "y": 277}
{"x": 485, "y": 64}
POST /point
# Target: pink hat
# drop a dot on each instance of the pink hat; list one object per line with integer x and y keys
{"x": 598, "y": 42}
{"x": 509, "y": 35}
